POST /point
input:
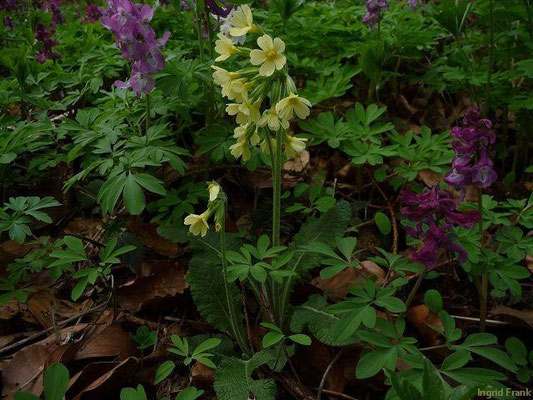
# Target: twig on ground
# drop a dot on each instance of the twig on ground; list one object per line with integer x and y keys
{"x": 326, "y": 372}
{"x": 9, "y": 349}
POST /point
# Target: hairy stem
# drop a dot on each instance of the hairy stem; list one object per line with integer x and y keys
{"x": 491, "y": 55}
{"x": 237, "y": 333}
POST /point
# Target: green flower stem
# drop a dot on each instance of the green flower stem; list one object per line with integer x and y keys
{"x": 147, "y": 118}
{"x": 491, "y": 55}
{"x": 237, "y": 333}
{"x": 483, "y": 295}
{"x": 276, "y": 213}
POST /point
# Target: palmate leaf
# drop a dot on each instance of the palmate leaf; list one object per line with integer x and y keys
{"x": 206, "y": 281}
{"x": 325, "y": 230}
{"x": 314, "y": 315}
{"x": 233, "y": 379}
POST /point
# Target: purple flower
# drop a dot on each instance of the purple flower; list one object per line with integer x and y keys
{"x": 217, "y": 10}
{"x": 8, "y": 23}
{"x": 9, "y": 5}
{"x": 130, "y": 23}
{"x": 93, "y": 13}
{"x": 435, "y": 214}
{"x": 471, "y": 164}
{"x": 413, "y": 4}
{"x": 374, "y": 11}
{"x": 44, "y": 36}
{"x": 54, "y": 7}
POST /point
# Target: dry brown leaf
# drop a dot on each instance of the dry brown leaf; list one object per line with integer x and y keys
{"x": 107, "y": 385}
{"x": 167, "y": 279}
{"x": 111, "y": 342}
{"x": 202, "y": 375}
{"x": 147, "y": 234}
{"x": 83, "y": 225}
{"x": 338, "y": 286}
{"x": 429, "y": 177}
{"x": 518, "y": 317}
{"x": 421, "y": 317}
{"x": 298, "y": 164}
{"x": 25, "y": 371}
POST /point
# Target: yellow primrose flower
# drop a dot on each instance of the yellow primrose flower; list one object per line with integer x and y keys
{"x": 198, "y": 223}
{"x": 265, "y": 148}
{"x": 270, "y": 118}
{"x": 242, "y": 21}
{"x": 240, "y": 149}
{"x": 293, "y": 104}
{"x": 224, "y": 46}
{"x": 246, "y": 112}
{"x": 294, "y": 145}
{"x": 270, "y": 56}
{"x": 233, "y": 87}
{"x": 214, "y": 190}
{"x": 240, "y": 131}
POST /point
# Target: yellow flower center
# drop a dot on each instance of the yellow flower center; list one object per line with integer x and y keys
{"x": 293, "y": 100}
{"x": 271, "y": 54}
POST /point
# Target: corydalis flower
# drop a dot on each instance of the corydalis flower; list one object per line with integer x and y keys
{"x": 135, "y": 38}
{"x": 471, "y": 164}
{"x": 435, "y": 214}
{"x": 44, "y": 36}
{"x": 93, "y": 13}
{"x": 8, "y": 23}
{"x": 374, "y": 11}
{"x": 54, "y": 7}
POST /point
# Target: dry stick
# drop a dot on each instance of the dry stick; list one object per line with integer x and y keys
{"x": 10, "y": 348}
{"x": 326, "y": 372}
{"x": 337, "y": 394}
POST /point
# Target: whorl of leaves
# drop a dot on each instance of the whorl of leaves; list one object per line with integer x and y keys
{"x": 314, "y": 315}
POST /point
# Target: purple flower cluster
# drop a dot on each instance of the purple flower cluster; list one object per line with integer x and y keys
{"x": 374, "y": 11}
{"x": 9, "y": 4}
{"x": 215, "y": 9}
{"x": 54, "y": 7}
{"x": 93, "y": 13}
{"x": 413, "y": 4}
{"x": 435, "y": 214}
{"x": 8, "y": 23}
{"x": 129, "y": 22}
{"x": 44, "y": 36}
{"x": 471, "y": 164}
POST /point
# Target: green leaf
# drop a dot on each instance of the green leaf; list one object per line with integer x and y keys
{"x": 233, "y": 379}
{"x": 456, "y": 360}
{"x": 134, "y": 199}
{"x": 191, "y": 393}
{"x": 373, "y": 362}
{"x": 301, "y": 339}
{"x": 209, "y": 294}
{"x": 150, "y": 183}
{"x": 164, "y": 371}
{"x": 56, "y": 379}
{"x": 433, "y": 300}
{"x": 25, "y": 396}
{"x": 383, "y": 222}
{"x": 272, "y": 338}
{"x": 433, "y": 387}
{"x": 206, "y": 345}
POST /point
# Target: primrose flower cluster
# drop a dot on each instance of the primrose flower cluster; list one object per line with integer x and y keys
{"x": 129, "y": 22}
{"x": 435, "y": 214}
{"x": 199, "y": 223}
{"x": 471, "y": 165}
{"x": 263, "y": 94}
{"x": 374, "y": 11}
